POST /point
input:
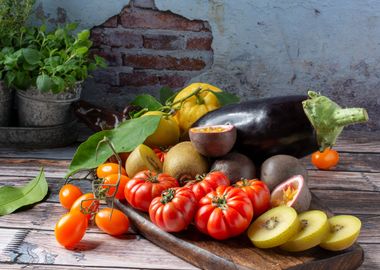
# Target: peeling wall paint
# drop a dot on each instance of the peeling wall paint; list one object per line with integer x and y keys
{"x": 277, "y": 47}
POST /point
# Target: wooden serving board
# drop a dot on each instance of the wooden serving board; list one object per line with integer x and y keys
{"x": 239, "y": 253}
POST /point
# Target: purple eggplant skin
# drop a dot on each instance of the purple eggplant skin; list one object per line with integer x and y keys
{"x": 267, "y": 127}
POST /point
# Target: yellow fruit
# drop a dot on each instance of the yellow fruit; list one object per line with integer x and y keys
{"x": 194, "y": 107}
{"x": 314, "y": 228}
{"x": 167, "y": 132}
{"x": 344, "y": 230}
{"x": 274, "y": 228}
{"x": 142, "y": 158}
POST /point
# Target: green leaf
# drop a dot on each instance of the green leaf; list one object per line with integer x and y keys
{"x": 12, "y": 198}
{"x": 147, "y": 101}
{"x": 44, "y": 82}
{"x": 84, "y": 35}
{"x": 59, "y": 84}
{"x": 72, "y": 26}
{"x": 165, "y": 94}
{"x": 125, "y": 138}
{"x": 32, "y": 56}
{"x": 81, "y": 50}
{"x": 226, "y": 98}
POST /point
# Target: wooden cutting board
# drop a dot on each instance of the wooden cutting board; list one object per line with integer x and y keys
{"x": 239, "y": 253}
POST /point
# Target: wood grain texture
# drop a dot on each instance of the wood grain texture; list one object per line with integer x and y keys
{"x": 40, "y": 247}
{"x": 239, "y": 253}
{"x": 359, "y": 141}
{"x": 371, "y": 257}
{"x": 8, "y": 266}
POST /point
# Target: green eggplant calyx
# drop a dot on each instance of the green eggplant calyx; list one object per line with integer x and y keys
{"x": 329, "y": 119}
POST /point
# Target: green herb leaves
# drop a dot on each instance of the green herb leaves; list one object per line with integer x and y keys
{"x": 226, "y": 98}
{"x": 125, "y": 138}
{"x": 12, "y": 198}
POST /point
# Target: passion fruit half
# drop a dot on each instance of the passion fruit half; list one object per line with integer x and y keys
{"x": 213, "y": 141}
{"x": 293, "y": 192}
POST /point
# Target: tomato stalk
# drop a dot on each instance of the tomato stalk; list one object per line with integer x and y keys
{"x": 220, "y": 201}
{"x": 168, "y": 195}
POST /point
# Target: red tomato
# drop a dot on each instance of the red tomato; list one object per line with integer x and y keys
{"x": 325, "y": 160}
{"x": 108, "y": 169}
{"x": 174, "y": 210}
{"x": 161, "y": 153}
{"x": 89, "y": 206}
{"x": 68, "y": 194}
{"x": 224, "y": 213}
{"x": 112, "y": 180}
{"x": 259, "y": 194}
{"x": 70, "y": 229}
{"x": 145, "y": 186}
{"x": 116, "y": 223}
{"x": 203, "y": 185}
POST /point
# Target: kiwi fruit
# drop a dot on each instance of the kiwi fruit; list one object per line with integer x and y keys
{"x": 184, "y": 162}
{"x": 235, "y": 166}
{"x": 279, "y": 168}
{"x": 142, "y": 158}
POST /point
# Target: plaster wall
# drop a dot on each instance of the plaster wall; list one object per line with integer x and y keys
{"x": 274, "y": 47}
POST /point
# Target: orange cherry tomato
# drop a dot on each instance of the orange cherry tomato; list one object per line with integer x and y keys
{"x": 116, "y": 224}
{"x": 68, "y": 194}
{"x": 112, "y": 180}
{"x": 325, "y": 160}
{"x": 108, "y": 169}
{"x": 70, "y": 229}
{"x": 89, "y": 205}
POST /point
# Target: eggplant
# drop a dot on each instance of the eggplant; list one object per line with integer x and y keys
{"x": 267, "y": 127}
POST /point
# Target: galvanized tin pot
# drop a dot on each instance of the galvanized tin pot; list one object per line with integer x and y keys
{"x": 37, "y": 109}
{"x": 6, "y": 100}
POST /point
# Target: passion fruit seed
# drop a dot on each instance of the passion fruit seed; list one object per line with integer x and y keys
{"x": 153, "y": 162}
{"x": 271, "y": 223}
{"x": 210, "y": 129}
{"x": 336, "y": 228}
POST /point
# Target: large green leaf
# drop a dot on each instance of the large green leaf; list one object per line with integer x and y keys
{"x": 32, "y": 56}
{"x": 165, "y": 94}
{"x": 147, "y": 101}
{"x": 12, "y": 198}
{"x": 125, "y": 138}
{"x": 226, "y": 98}
{"x": 44, "y": 82}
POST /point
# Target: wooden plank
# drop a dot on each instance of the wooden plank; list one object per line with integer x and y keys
{"x": 62, "y": 153}
{"x": 95, "y": 250}
{"x": 7, "y": 266}
{"x": 373, "y": 178}
{"x": 370, "y": 232}
{"x": 359, "y": 141}
{"x": 7, "y": 237}
{"x": 371, "y": 257}
{"x": 355, "y": 181}
{"x": 350, "y": 202}
{"x": 31, "y": 168}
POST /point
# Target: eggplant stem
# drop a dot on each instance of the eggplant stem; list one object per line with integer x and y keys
{"x": 348, "y": 116}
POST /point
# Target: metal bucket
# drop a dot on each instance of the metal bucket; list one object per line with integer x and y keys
{"x": 37, "y": 109}
{"x": 6, "y": 98}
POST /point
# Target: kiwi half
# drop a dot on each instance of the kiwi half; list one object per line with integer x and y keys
{"x": 142, "y": 158}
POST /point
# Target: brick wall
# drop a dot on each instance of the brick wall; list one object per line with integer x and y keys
{"x": 147, "y": 48}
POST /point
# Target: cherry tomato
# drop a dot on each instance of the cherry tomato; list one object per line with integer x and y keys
{"x": 325, "y": 160}
{"x": 112, "y": 180}
{"x": 174, "y": 210}
{"x": 161, "y": 152}
{"x": 108, "y": 169}
{"x": 90, "y": 205}
{"x": 203, "y": 185}
{"x": 259, "y": 194}
{"x": 115, "y": 224}
{"x": 70, "y": 229}
{"x": 224, "y": 213}
{"x": 68, "y": 194}
{"x": 145, "y": 186}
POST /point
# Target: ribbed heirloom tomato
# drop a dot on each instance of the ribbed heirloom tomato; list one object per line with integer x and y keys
{"x": 325, "y": 160}
{"x": 68, "y": 194}
{"x": 205, "y": 184}
{"x": 224, "y": 213}
{"x": 259, "y": 194}
{"x": 145, "y": 186}
{"x": 174, "y": 209}
{"x": 70, "y": 229}
{"x": 114, "y": 224}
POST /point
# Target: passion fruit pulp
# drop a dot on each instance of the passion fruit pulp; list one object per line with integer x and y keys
{"x": 213, "y": 141}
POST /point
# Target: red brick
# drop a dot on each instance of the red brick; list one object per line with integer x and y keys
{"x": 112, "y": 58}
{"x": 163, "y": 62}
{"x": 162, "y": 42}
{"x": 106, "y": 76}
{"x": 111, "y": 22}
{"x": 154, "y": 19}
{"x": 115, "y": 38}
{"x": 199, "y": 43}
{"x": 142, "y": 78}
{"x": 96, "y": 36}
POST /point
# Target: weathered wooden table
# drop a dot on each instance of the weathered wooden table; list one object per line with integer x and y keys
{"x": 27, "y": 237}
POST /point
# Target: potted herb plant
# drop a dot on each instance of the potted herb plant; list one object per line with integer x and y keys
{"x": 13, "y": 16}
{"x": 48, "y": 70}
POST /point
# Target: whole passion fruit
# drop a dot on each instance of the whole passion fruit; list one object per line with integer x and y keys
{"x": 213, "y": 141}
